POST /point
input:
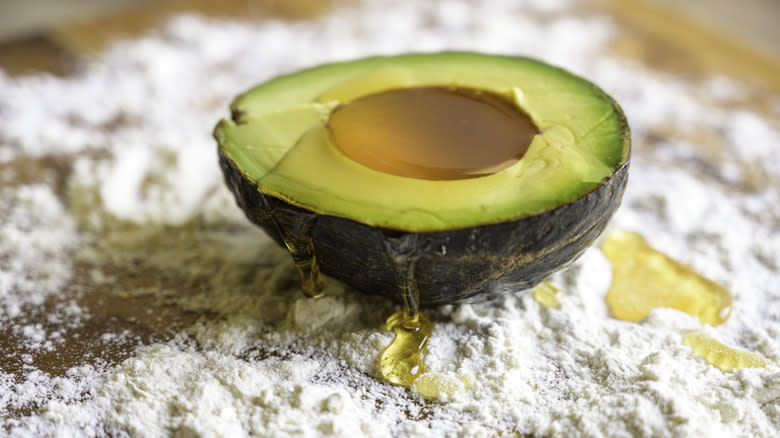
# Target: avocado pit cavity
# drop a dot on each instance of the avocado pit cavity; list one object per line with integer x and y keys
{"x": 433, "y": 133}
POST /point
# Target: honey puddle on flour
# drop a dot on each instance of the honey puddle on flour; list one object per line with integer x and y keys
{"x": 546, "y": 295}
{"x": 722, "y": 356}
{"x": 644, "y": 279}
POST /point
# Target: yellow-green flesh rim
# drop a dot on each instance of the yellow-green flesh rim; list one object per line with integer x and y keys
{"x": 280, "y": 142}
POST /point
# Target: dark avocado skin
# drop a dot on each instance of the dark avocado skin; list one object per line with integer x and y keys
{"x": 479, "y": 263}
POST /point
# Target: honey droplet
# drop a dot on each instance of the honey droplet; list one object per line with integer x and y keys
{"x": 722, "y": 356}
{"x": 545, "y": 294}
{"x": 434, "y": 133}
{"x": 401, "y": 361}
{"x": 441, "y": 386}
{"x": 644, "y": 279}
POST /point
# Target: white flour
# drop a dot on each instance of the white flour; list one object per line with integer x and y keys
{"x": 264, "y": 361}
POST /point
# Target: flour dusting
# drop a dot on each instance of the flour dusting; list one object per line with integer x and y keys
{"x": 223, "y": 342}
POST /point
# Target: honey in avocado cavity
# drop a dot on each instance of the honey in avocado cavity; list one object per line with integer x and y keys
{"x": 434, "y": 133}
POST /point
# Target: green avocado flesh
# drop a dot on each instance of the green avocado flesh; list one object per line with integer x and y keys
{"x": 279, "y": 140}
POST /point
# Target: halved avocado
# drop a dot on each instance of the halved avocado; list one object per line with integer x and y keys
{"x": 472, "y": 236}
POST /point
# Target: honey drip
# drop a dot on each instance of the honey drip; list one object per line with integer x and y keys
{"x": 644, "y": 279}
{"x": 546, "y": 295}
{"x": 296, "y": 228}
{"x": 401, "y": 362}
{"x": 432, "y": 133}
{"x": 722, "y": 356}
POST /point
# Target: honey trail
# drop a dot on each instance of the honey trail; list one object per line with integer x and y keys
{"x": 401, "y": 362}
{"x": 296, "y": 227}
{"x": 644, "y": 279}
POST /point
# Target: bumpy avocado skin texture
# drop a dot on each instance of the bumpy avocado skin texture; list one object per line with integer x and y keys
{"x": 479, "y": 262}
{"x": 457, "y": 262}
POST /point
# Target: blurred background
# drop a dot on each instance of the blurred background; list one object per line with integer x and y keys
{"x": 51, "y": 35}
{"x": 752, "y": 20}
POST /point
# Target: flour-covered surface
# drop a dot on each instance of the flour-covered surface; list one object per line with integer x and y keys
{"x": 136, "y": 299}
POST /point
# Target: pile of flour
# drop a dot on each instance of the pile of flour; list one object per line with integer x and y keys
{"x": 145, "y": 193}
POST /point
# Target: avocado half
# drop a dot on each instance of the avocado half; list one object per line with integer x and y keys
{"x": 472, "y": 237}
